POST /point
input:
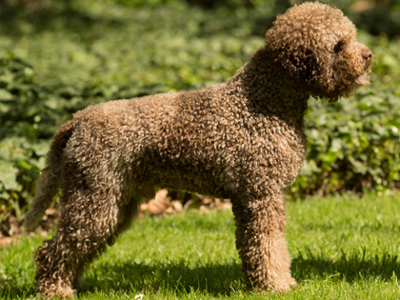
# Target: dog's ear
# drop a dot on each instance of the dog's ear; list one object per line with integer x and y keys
{"x": 301, "y": 41}
{"x": 295, "y": 56}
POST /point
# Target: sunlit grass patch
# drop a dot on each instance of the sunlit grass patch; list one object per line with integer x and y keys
{"x": 342, "y": 248}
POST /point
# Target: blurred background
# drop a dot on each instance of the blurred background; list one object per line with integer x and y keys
{"x": 57, "y": 57}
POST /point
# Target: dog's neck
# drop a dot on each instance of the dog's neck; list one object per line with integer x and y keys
{"x": 270, "y": 91}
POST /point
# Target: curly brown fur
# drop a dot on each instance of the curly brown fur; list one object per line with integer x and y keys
{"x": 243, "y": 140}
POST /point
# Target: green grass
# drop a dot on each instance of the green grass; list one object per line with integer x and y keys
{"x": 342, "y": 248}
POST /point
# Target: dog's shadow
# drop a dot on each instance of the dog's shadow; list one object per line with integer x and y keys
{"x": 216, "y": 279}
{"x": 349, "y": 266}
{"x": 226, "y": 279}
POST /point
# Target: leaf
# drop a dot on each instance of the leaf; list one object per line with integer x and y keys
{"x": 40, "y": 148}
{"x": 8, "y": 175}
{"x": 5, "y": 95}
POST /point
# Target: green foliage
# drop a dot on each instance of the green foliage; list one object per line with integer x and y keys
{"x": 21, "y": 154}
{"x": 341, "y": 248}
{"x": 353, "y": 145}
{"x": 70, "y": 54}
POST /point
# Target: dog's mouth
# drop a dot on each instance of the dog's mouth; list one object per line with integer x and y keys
{"x": 363, "y": 79}
{"x": 345, "y": 88}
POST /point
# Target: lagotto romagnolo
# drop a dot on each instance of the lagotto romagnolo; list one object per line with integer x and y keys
{"x": 243, "y": 139}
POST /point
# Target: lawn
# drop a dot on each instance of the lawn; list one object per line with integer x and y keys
{"x": 342, "y": 248}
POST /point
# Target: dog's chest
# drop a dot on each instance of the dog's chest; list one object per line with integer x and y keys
{"x": 274, "y": 149}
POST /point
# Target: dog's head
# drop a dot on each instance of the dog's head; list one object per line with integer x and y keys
{"x": 317, "y": 45}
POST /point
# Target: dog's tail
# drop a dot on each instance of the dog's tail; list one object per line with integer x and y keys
{"x": 49, "y": 181}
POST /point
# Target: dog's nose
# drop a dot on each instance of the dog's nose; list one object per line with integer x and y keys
{"x": 367, "y": 54}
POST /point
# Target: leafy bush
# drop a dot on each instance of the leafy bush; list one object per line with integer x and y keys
{"x": 353, "y": 145}
{"x": 19, "y": 153}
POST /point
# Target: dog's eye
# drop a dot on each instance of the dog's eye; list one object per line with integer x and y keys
{"x": 338, "y": 47}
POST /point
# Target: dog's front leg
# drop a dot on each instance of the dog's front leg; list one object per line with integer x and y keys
{"x": 260, "y": 240}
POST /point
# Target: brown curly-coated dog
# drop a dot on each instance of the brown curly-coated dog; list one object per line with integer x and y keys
{"x": 243, "y": 140}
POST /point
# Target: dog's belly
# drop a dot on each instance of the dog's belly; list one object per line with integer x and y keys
{"x": 224, "y": 169}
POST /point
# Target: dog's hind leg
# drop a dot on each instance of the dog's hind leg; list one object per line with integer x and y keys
{"x": 126, "y": 216}
{"x": 89, "y": 220}
{"x": 260, "y": 240}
